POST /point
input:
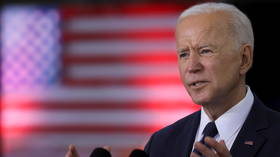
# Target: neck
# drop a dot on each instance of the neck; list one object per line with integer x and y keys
{"x": 215, "y": 110}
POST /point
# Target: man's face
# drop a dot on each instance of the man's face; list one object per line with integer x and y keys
{"x": 209, "y": 60}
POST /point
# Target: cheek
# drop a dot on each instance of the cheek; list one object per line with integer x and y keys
{"x": 215, "y": 70}
{"x": 181, "y": 68}
{"x": 225, "y": 73}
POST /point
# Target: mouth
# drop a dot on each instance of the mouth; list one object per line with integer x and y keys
{"x": 198, "y": 84}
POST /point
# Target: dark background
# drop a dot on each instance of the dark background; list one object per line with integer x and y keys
{"x": 264, "y": 77}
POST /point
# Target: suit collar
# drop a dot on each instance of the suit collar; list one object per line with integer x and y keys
{"x": 250, "y": 137}
{"x": 187, "y": 137}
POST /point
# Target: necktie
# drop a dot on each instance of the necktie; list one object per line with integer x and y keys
{"x": 209, "y": 130}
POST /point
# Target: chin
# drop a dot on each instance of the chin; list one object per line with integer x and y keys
{"x": 201, "y": 103}
{"x": 199, "y": 100}
{"x": 202, "y": 96}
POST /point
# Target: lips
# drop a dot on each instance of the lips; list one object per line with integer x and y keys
{"x": 197, "y": 84}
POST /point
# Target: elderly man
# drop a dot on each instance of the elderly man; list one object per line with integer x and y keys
{"x": 215, "y": 45}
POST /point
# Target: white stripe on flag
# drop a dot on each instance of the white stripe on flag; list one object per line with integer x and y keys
{"x": 114, "y": 93}
{"x": 117, "y": 47}
{"x": 97, "y": 117}
{"x": 121, "y": 23}
{"x": 114, "y": 71}
{"x": 86, "y": 139}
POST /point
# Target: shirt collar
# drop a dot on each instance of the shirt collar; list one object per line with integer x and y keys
{"x": 204, "y": 120}
{"x": 230, "y": 122}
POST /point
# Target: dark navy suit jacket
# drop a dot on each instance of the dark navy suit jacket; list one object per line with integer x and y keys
{"x": 262, "y": 127}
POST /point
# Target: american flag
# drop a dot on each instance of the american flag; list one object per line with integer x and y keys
{"x": 89, "y": 75}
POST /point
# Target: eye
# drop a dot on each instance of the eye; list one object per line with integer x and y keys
{"x": 184, "y": 54}
{"x": 205, "y": 51}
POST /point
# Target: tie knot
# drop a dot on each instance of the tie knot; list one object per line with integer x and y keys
{"x": 210, "y": 129}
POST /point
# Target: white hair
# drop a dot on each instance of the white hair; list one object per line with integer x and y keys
{"x": 240, "y": 23}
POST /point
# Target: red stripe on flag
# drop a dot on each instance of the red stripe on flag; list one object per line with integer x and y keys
{"x": 145, "y": 57}
{"x": 70, "y": 11}
{"x": 140, "y": 35}
{"x": 83, "y": 129}
{"x": 104, "y": 105}
{"x": 131, "y": 81}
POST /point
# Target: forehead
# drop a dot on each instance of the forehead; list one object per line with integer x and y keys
{"x": 206, "y": 27}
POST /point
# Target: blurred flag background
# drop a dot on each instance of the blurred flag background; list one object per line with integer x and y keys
{"x": 103, "y": 73}
{"x": 89, "y": 75}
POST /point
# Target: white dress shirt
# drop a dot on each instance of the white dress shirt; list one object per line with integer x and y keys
{"x": 229, "y": 123}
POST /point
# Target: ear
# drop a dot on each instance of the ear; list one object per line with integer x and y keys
{"x": 246, "y": 54}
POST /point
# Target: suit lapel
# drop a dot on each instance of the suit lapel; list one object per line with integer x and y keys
{"x": 250, "y": 138}
{"x": 186, "y": 139}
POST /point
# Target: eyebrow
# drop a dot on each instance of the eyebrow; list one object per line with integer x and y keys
{"x": 178, "y": 50}
{"x": 207, "y": 45}
{"x": 201, "y": 47}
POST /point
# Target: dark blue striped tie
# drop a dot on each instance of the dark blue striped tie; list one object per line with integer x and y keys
{"x": 209, "y": 130}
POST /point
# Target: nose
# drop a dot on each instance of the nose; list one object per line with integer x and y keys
{"x": 194, "y": 63}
